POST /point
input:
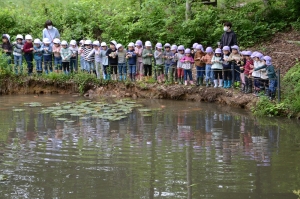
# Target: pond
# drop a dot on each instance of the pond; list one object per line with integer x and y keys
{"x": 178, "y": 149}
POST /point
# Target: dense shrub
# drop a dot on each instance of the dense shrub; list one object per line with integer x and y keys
{"x": 154, "y": 20}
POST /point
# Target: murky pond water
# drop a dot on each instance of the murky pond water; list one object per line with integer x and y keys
{"x": 184, "y": 150}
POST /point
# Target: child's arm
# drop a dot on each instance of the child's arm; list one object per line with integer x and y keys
{"x": 61, "y": 54}
{"x": 261, "y": 67}
{"x": 108, "y": 52}
{"x": 91, "y": 53}
{"x": 133, "y": 54}
{"x": 144, "y": 54}
{"x": 192, "y": 60}
{"x": 156, "y": 54}
{"x": 213, "y": 60}
{"x": 69, "y": 54}
{"x": 182, "y": 59}
{"x": 50, "y": 49}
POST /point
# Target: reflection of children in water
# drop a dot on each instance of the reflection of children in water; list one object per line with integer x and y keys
{"x": 30, "y": 133}
{"x": 184, "y": 130}
{"x": 57, "y": 139}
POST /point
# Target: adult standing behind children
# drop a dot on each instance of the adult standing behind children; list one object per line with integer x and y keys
{"x": 50, "y": 31}
{"x": 229, "y": 37}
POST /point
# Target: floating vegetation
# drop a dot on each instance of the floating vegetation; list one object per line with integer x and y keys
{"x": 3, "y": 177}
{"x": 33, "y": 104}
{"x": 18, "y": 110}
{"x": 85, "y": 109}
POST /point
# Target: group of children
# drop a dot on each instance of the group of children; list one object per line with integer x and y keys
{"x": 172, "y": 64}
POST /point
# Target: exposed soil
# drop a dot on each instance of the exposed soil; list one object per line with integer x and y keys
{"x": 284, "y": 48}
{"x": 229, "y": 97}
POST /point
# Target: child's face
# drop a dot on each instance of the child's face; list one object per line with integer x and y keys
{"x": 104, "y": 47}
{"x": 148, "y": 47}
{"x": 256, "y": 59}
{"x": 130, "y": 48}
{"x": 29, "y": 41}
{"x": 4, "y": 40}
{"x": 64, "y": 46}
{"x": 73, "y": 46}
{"x": 159, "y": 49}
{"x": 88, "y": 46}
{"x": 174, "y": 51}
{"x": 264, "y": 61}
{"x": 56, "y": 45}
{"x": 37, "y": 45}
{"x": 188, "y": 54}
{"x": 210, "y": 53}
{"x": 120, "y": 49}
{"x": 19, "y": 41}
{"x": 234, "y": 51}
{"x": 218, "y": 55}
{"x": 180, "y": 51}
{"x": 96, "y": 47}
{"x": 138, "y": 46}
{"x": 248, "y": 57}
{"x": 46, "y": 44}
{"x": 112, "y": 46}
{"x": 226, "y": 52}
{"x": 167, "y": 49}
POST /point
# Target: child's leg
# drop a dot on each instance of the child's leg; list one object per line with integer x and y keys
{"x": 97, "y": 64}
{"x": 87, "y": 66}
{"x": 28, "y": 58}
{"x": 21, "y": 64}
{"x": 176, "y": 74}
{"x": 189, "y": 72}
{"x": 141, "y": 70}
{"x": 207, "y": 73}
{"x": 145, "y": 69}
{"x": 185, "y": 76}
{"x": 59, "y": 64}
{"x": 16, "y": 64}
{"x": 67, "y": 67}
{"x": 272, "y": 88}
{"x": 120, "y": 69}
{"x": 124, "y": 71}
{"x": 215, "y": 72}
{"x": 167, "y": 71}
{"x": 92, "y": 67}
{"x": 220, "y": 73}
{"x": 82, "y": 63}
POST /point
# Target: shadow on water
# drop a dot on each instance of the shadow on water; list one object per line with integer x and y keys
{"x": 183, "y": 150}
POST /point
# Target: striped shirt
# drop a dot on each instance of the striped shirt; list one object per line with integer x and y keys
{"x": 87, "y": 51}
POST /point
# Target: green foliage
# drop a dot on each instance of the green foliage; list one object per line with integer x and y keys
{"x": 5, "y": 68}
{"x": 265, "y": 107}
{"x": 291, "y": 93}
{"x": 154, "y": 20}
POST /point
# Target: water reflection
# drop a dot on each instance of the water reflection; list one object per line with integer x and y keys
{"x": 184, "y": 150}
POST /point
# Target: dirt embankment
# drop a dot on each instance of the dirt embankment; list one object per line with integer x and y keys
{"x": 229, "y": 97}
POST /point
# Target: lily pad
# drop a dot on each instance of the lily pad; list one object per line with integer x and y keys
{"x": 3, "y": 177}
{"x": 18, "y": 110}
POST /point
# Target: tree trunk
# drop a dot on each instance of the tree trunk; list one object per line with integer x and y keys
{"x": 187, "y": 10}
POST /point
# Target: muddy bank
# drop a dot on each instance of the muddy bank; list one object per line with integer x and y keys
{"x": 29, "y": 85}
{"x": 229, "y": 97}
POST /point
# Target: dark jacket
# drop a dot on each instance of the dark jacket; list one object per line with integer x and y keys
{"x": 228, "y": 39}
{"x": 112, "y": 60}
{"x": 226, "y": 64}
{"x": 132, "y": 59}
{"x": 7, "y": 46}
